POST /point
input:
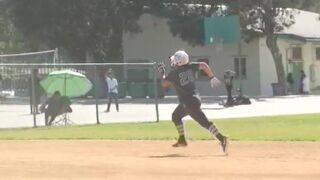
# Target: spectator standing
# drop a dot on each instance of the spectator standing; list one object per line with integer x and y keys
{"x": 112, "y": 90}
{"x": 305, "y": 85}
{"x": 302, "y": 76}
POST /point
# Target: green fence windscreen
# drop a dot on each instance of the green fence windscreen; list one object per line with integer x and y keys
{"x": 225, "y": 27}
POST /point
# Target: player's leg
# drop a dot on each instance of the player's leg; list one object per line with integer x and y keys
{"x": 46, "y": 117}
{"x": 116, "y": 101}
{"x": 194, "y": 110}
{"x": 201, "y": 118}
{"x": 52, "y": 118}
{"x": 109, "y": 102}
{"x": 177, "y": 116}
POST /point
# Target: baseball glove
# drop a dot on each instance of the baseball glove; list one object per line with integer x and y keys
{"x": 161, "y": 68}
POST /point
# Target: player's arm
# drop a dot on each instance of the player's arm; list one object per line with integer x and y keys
{"x": 206, "y": 69}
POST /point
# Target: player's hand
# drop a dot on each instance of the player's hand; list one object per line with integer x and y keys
{"x": 214, "y": 82}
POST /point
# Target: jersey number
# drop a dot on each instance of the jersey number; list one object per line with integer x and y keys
{"x": 186, "y": 77}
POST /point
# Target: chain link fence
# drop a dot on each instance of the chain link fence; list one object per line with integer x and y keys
{"x": 138, "y": 91}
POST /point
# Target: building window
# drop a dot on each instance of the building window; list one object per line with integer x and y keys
{"x": 240, "y": 67}
{"x": 297, "y": 53}
{"x": 318, "y": 53}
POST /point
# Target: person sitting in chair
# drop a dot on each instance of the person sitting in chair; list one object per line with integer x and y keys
{"x": 54, "y": 106}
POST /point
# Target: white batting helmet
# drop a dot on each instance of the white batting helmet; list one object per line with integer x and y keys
{"x": 179, "y": 58}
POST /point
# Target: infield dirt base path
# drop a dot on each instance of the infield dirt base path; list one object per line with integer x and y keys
{"x": 137, "y": 160}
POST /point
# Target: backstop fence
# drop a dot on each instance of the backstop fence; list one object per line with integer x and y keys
{"x": 138, "y": 93}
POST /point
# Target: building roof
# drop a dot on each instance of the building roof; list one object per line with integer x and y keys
{"x": 307, "y": 25}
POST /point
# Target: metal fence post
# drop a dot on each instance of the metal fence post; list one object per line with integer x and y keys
{"x": 155, "y": 85}
{"x": 33, "y": 98}
{"x": 96, "y": 93}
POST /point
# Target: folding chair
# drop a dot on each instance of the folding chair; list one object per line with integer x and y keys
{"x": 63, "y": 118}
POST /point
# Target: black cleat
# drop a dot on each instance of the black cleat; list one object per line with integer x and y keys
{"x": 224, "y": 145}
{"x": 180, "y": 144}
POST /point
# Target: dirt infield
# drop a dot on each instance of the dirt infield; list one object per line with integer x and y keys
{"x": 136, "y": 160}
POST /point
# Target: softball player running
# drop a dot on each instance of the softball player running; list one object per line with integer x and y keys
{"x": 182, "y": 78}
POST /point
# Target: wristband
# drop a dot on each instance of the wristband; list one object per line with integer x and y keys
{"x": 211, "y": 77}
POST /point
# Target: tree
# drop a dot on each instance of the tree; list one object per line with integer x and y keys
{"x": 8, "y": 36}
{"x": 88, "y": 30}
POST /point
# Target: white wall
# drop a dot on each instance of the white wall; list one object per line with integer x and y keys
{"x": 267, "y": 69}
{"x": 313, "y": 66}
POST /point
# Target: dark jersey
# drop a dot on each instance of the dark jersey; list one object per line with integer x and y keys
{"x": 183, "y": 79}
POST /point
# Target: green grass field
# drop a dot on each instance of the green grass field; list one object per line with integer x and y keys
{"x": 272, "y": 128}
